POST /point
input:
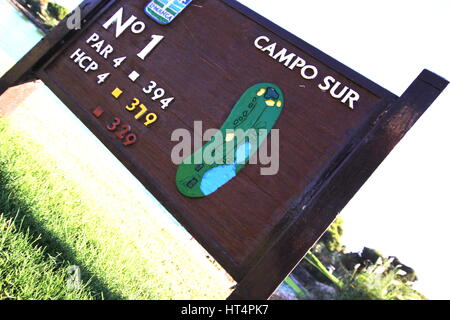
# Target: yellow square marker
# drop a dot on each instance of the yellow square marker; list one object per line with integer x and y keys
{"x": 116, "y": 93}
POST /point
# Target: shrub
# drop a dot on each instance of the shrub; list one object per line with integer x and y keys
{"x": 332, "y": 237}
{"x": 378, "y": 281}
{"x": 57, "y": 11}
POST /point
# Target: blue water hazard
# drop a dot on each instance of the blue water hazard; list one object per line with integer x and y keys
{"x": 216, "y": 177}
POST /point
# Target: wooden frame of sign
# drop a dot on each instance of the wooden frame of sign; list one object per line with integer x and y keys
{"x": 336, "y": 128}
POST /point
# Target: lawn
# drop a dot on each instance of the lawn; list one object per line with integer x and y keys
{"x": 27, "y": 272}
{"x": 62, "y": 211}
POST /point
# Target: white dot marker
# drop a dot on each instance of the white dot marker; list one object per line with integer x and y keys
{"x": 134, "y": 76}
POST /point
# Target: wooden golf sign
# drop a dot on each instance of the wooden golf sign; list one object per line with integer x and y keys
{"x": 253, "y": 139}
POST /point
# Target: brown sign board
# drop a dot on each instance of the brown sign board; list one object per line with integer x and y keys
{"x": 336, "y": 127}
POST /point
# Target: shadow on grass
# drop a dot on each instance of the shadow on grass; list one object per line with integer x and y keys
{"x": 13, "y": 207}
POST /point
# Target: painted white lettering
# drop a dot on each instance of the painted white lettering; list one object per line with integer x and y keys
{"x": 77, "y": 55}
{"x": 84, "y": 62}
{"x": 351, "y": 98}
{"x": 150, "y": 46}
{"x": 91, "y": 67}
{"x": 94, "y": 37}
{"x": 298, "y": 63}
{"x": 271, "y": 48}
{"x": 283, "y": 58}
{"x": 98, "y": 46}
{"x": 117, "y": 18}
{"x": 338, "y": 91}
{"x": 327, "y": 82}
{"x": 106, "y": 51}
{"x": 334, "y": 93}
{"x": 258, "y": 40}
{"x": 309, "y": 72}
{"x": 138, "y": 27}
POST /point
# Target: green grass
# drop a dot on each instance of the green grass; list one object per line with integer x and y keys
{"x": 378, "y": 282}
{"x": 298, "y": 291}
{"x": 75, "y": 214}
{"x": 315, "y": 262}
{"x": 27, "y": 272}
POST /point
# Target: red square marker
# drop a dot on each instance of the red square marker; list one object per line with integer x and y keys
{"x": 97, "y": 112}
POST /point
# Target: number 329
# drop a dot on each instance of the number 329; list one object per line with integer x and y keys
{"x": 122, "y": 132}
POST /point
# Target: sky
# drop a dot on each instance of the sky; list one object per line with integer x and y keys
{"x": 403, "y": 209}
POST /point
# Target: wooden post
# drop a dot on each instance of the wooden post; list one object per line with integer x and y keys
{"x": 316, "y": 215}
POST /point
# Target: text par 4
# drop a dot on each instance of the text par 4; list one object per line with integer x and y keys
{"x": 107, "y": 52}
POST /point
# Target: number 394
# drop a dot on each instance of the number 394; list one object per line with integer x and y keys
{"x": 157, "y": 93}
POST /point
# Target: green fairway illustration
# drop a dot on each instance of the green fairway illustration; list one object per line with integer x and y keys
{"x": 239, "y": 138}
